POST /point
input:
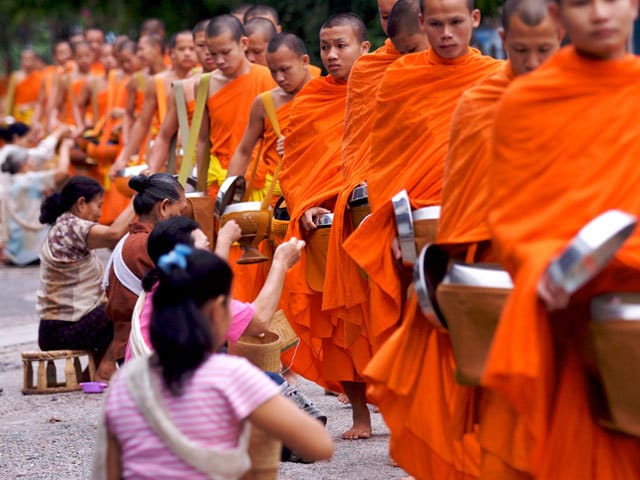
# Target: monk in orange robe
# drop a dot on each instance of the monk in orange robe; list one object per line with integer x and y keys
{"x": 562, "y": 156}
{"x": 159, "y": 153}
{"x": 414, "y": 368}
{"x": 259, "y": 32}
{"x": 68, "y": 88}
{"x": 61, "y": 54}
{"x": 95, "y": 38}
{"x": 232, "y": 90}
{"x": 346, "y": 291}
{"x": 24, "y": 89}
{"x": 310, "y": 182}
{"x": 156, "y": 95}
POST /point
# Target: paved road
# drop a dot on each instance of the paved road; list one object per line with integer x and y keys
{"x": 52, "y": 436}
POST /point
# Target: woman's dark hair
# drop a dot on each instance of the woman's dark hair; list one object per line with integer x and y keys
{"x": 60, "y": 202}
{"x": 18, "y": 129}
{"x": 180, "y": 334}
{"x": 162, "y": 239}
{"x": 154, "y": 189}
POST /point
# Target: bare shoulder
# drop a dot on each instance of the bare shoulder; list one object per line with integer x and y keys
{"x": 218, "y": 80}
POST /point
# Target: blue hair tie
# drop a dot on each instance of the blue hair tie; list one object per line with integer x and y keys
{"x": 176, "y": 258}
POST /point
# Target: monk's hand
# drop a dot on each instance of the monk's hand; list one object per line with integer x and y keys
{"x": 229, "y": 233}
{"x": 310, "y": 217}
{"x": 118, "y": 165}
{"x": 280, "y": 146}
{"x": 288, "y": 253}
{"x": 395, "y": 251}
{"x": 553, "y": 296}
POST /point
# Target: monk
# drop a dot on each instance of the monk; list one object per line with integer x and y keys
{"x": 310, "y": 182}
{"x": 404, "y": 29}
{"x": 61, "y": 56}
{"x": 580, "y": 162}
{"x": 131, "y": 95}
{"x": 153, "y": 26}
{"x": 24, "y": 88}
{"x": 259, "y": 31}
{"x": 240, "y": 10}
{"x": 182, "y": 53}
{"x": 95, "y": 37}
{"x": 68, "y": 88}
{"x": 415, "y": 104}
{"x": 159, "y": 153}
{"x": 232, "y": 90}
{"x": 263, "y": 11}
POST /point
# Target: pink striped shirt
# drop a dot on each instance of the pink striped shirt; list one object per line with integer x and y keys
{"x": 211, "y": 411}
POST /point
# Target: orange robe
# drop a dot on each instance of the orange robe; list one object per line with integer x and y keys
{"x": 229, "y": 111}
{"x": 26, "y": 93}
{"x": 228, "y": 117}
{"x": 410, "y": 136}
{"x": 311, "y": 177}
{"x": 75, "y": 88}
{"x": 562, "y": 155}
{"x": 463, "y": 219}
{"x": 345, "y": 289}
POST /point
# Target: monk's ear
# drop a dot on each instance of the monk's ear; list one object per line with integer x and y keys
{"x": 475, "y": 18}
{"x": 306, "y": 60}
{"x": 421, "y": 22}
{"x": 244, "y": 43}
{"x": 502, "y": 34}
{"x": 365, "y": 46}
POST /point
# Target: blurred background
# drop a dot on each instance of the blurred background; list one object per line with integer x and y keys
{"x": 37, "y": 23}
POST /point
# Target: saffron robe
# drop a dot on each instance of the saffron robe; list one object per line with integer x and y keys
{"x": 562, "y": 156}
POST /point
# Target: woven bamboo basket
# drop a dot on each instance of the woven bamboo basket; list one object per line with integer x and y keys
{"x": 281, "y": 326}
{"x": 262, "y": 351}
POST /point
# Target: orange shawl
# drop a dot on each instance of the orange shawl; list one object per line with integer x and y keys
{"x": 76, "y": 87}
{"x": 229, "y": 111}
{"x": 463, "y": 219}
{"x": 409, "y": 145}
{"x": 346, "y": 291}
{"x": 310, "y": 176}
{"x": 562, "y": 155}
{"x": 28, "y": 89}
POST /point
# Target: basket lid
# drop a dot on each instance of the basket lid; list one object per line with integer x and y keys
{"x": 231, "y": 191}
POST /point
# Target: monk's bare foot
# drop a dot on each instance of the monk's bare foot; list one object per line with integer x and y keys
{"x": 343, "y": 399}
{"x": 291, "y": 377}
{"x": 359, "y": 431}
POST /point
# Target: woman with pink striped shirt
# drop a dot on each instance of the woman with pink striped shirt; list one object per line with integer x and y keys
{"x": 183, "y": 411}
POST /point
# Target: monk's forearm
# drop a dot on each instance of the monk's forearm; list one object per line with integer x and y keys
{"x": 239, "y": 162}
{"x": 157, "y": 157}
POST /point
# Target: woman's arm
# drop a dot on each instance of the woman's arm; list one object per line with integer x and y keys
{"x": 301, "y": 433}
{"x": 114, "y": 456}
{"x": 102, "y": 236}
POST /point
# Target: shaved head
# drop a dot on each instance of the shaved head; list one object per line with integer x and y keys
{"x": 288, "y": 40}
{"x": 201, "y": 26}
{"x": 226, "y": 23}
{"x": 347, "y": 20}
{"x": 153, "y": 26}
{"x": 262, "y": 11}
{"x": 404, "y": 18}
{"x": 261, "y": 26}
{"x": 530, "y": 12}
{"x": 471, "y": 5}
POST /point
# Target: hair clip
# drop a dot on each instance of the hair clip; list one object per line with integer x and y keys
{"x": 176, "y": 258}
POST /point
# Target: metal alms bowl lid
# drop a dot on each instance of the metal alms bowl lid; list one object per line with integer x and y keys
{"x": 427, "y": 213}
{"x": 231, "y": 191}
{"x": 478, "y": 275}
{"x": 242, "y": 207}
{"x": 591, "y": 249}
{"x": 404, "y": 225}
{"x": 616, "y": 306}
{"x": 325, "y": 220}
{"x": 428, "y": 272}
{"x": 359, "y": 195}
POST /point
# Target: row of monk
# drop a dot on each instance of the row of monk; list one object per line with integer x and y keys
{"x": 518, "y": 155}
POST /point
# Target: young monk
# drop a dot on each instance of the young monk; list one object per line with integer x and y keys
{"x": 259, "y": 31}
{"x": 24, "y": 88}
{"x": 310, "y": 181}
{"x": 232, "y": 90}
{"x": 69, "y": 86}
{"x": 239, "y": 11}
{"x": 544, "y": 188}
{"x": 413, "y": 112}
{"x": 61, "y": 56}
{"x": 95, "y": 37}
{"x": 263, "y": 11}
{"x": 130, "y": 95}
{"x": 289, "y": 66}
{"x": 346, "y": 291}
{"x": 182, "y": 52}
{"x": 159, "y": 153}
{"x": 404, "y": 29}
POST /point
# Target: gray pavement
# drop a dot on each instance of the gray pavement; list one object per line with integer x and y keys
{"x": 52, "y": 436}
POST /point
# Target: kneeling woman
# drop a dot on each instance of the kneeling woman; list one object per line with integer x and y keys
{"x": 185, "y": 387}
{"x": 70, "y": 300}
